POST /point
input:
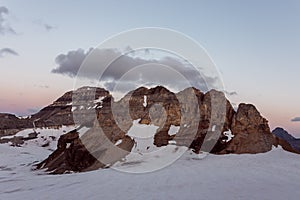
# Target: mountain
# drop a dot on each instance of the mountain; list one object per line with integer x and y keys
{"x": 55, "y": 115}
{"x": 114, "y": 130}
{"x": 287, "y": 141}
{"x": 243, "y": 131}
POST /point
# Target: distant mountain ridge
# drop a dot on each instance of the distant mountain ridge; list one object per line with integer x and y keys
{"x": 284, "y": 135}
{"x": 55, "y": 115}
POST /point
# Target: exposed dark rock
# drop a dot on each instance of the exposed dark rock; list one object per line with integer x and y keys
{"x": 287, "y": 141}
{"x": 15, "y": 141}
{"x": 73, "y": 155}
{"x": 10, "y": 124}
{"x": 251, "y": 132}
{"x": 58, "y": 113}
{"x": 285, "y": 145}
{"x": 31, "y": 136}
{"x": 157, "y": 106}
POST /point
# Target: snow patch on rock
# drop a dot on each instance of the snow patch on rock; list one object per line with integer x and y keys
{"x": 145, "y": 101}
{"x": 173, "y": 130}
{"x": 229, "y": 135}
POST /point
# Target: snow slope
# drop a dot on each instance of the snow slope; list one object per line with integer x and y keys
{"x": 273, "y": 175}
{"x": 46, "y": 136}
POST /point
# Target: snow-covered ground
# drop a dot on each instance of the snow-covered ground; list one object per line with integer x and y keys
{"x": 273, "y": 175}
{"x": 47, "y": 137}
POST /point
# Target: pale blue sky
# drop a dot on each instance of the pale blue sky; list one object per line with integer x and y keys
{"x": 255, "y": 44}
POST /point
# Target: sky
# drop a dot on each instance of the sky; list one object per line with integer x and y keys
{"x": 255, "y": 45}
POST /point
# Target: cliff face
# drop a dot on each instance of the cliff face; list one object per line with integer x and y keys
{"x": 251, "y": 132}
{"x": 205, "y": 122}
{"x": 57, "y": 114}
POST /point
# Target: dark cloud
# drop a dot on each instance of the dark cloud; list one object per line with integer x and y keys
{"x": 69, "y": 64}
{"x": 296, "y": 119}
{"x": 8, "y": 51}
{"x": 4, "y": 26}
{"x": 132, "y": 70}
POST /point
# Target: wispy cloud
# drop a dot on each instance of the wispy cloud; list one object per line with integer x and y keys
{"x": 296, "y": 119}
{"x": 8, "y": 51}
{"x": 42, "y": 86}
{"x": 4, "y": 25}
{"x": 44, "y": 25}
{"x": 231, "y": 93}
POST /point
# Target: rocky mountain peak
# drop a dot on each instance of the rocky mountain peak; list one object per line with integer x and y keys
{"x": 251, "y": 131}
{"x": 203, "y": 122}
{"x": 57, "y": 114}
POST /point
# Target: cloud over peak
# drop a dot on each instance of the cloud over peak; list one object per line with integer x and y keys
{"x": 131, "y": 70}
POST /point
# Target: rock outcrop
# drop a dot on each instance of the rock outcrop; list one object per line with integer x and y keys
{"x": 10, "y": 124}
{"x": 72, "y": 154}
{"x": 203, "y": 121}
{"x": 17, "y": 141}
{"x": 216, "y": 115}
{"x": 251, "y": 132}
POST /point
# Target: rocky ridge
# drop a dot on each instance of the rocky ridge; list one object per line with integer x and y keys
{"x": 57, "y": 114}
{"x": 160, "y": 107}
{"x": 206, "y": 122}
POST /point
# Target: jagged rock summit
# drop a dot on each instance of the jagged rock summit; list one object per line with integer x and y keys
{"x": 203, "y": 122}
{"x": 241, "y": 131}
{"x": 57, "y": 114}
{"x": 251, "y": 132}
